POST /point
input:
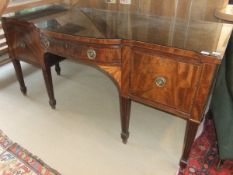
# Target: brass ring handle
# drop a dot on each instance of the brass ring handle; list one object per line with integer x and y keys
{"x": 160, "y": 81}
{"x": 45, "y": 42}
{"x": 91, "y": 54}
{"x": 22, "y": 45}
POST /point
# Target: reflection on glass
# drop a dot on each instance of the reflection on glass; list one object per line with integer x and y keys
{"x": 188, "y": 34}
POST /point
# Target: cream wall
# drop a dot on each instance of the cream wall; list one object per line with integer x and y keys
{"x": 3, "y": 6}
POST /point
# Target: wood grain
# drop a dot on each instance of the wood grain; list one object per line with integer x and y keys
{"x": 114, "y": 72}
{"x": 104, "y": 53}
{"x": 181, "y": 80}
{"x": 24, "y": 44}
{"x": 203, "y": 93}
{"x": 132, "y": 65}
{"x": 190, "y": 133}
{"x": 126, "y": 56}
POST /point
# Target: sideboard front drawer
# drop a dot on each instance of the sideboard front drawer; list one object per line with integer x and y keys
{"x": 83, "y": 51}
{"x": 104, "y": 54}
{"x": 164, "y": 79}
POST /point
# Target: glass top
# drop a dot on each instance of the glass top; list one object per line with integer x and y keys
{"x": 193, "y": 35}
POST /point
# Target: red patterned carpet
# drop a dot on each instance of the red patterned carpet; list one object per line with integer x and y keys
{"x": 14, "y": 160}
{"x": 204, "y": 155}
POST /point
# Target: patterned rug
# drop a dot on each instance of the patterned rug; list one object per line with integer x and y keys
{"x": 14, "y": 160}
{"x": 204, "y": 156}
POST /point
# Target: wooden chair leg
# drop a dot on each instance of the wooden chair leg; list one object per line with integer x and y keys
{"x": 49, "y": 86}
{"x": 19, "y": 75}
{"x": 58, "y": 69}
{"x": 190, "y": 134}
{"x": 125, "y": 105}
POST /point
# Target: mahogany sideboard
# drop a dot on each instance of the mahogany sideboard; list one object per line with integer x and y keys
{"x": 167, "y": 63}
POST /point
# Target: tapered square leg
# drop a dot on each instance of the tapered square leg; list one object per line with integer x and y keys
{"x": 49, "y": 86}
{"x": 19, "y": 75}
{"x": 125, "y": 106}
{"x": 58, "y": 68}
{"x": 190, "y": 134}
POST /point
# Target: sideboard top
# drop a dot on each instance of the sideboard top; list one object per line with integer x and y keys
{"x": 194, "y": 35}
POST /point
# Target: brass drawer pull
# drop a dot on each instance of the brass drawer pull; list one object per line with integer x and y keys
{"x": 22, "y": 45}
{"x": 91, "y": 54}
{"x": 160, "y": 81}
{"x": 45, "y": 42}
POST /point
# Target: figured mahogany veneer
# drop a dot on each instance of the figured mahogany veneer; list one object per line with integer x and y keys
{"x": 145, "y": 70}
{"x": 104, "y": 53}
{"x": 181, "y": 79}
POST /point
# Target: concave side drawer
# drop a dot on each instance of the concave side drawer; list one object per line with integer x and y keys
{"x": 164, "y": 79}
{"x": 25, "y": 44}
{"x": 24, "y": 51}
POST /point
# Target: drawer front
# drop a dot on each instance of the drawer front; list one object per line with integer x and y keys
{"x": 82, "y": 51}
{"x": 25, "y": 43}
{"x": 24, "y": 51}
{"x": 160, "y": 78}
